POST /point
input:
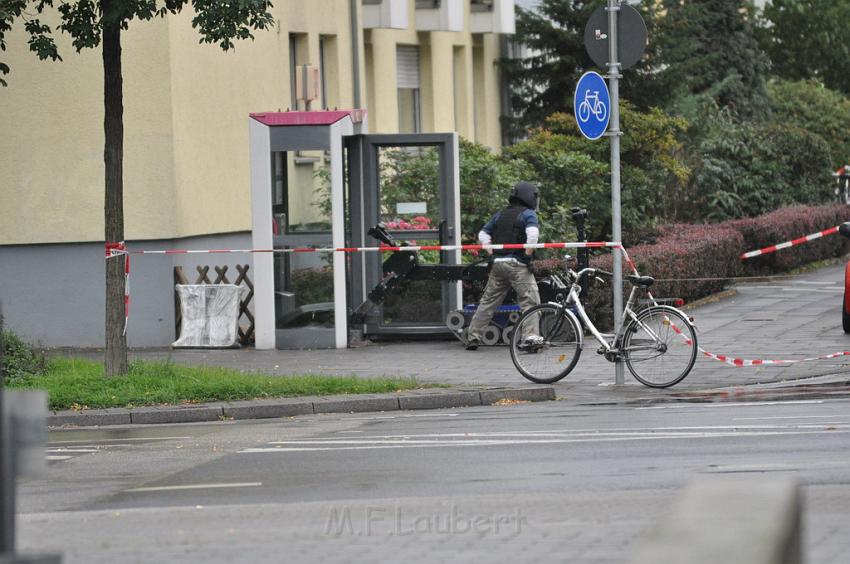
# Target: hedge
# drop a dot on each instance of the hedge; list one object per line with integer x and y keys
{"x": 787, "y": 224}
{"x": 693, "y": 261}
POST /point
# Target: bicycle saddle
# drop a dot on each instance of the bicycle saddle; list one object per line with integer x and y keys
{"x": 645, "y": 281}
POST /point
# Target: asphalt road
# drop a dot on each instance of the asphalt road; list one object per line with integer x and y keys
{"x": 524, "y": 483}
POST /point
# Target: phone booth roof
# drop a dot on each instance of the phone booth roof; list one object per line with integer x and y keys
{"x": 272, "y": 132}
{"x": 325, "y": 117}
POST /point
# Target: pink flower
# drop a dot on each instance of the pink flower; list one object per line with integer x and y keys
{"x": 421, "y": 219}
{"x": 403, "y": 225}
{"x": 392, "y": 225}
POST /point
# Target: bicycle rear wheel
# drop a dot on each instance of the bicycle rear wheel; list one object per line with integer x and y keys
{"x": 660, "y": 347}
{"x": 555, "y": 352}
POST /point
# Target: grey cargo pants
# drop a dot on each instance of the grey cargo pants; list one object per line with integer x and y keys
{"x": 504, "y": 276}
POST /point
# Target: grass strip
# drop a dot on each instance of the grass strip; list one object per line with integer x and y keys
{"x": 80, "y": 384}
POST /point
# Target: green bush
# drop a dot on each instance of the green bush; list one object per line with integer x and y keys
{"x": 575, "y": 171}
{"x": 486, "y": 180}
{"x": 21, "y": 361}
{"x": 409, "y": 175}
{"x": 749, "y": 169}
{"x": 810, "y": 106}
{"x": 313, "y": 285}
{"x": 566, "y": 178}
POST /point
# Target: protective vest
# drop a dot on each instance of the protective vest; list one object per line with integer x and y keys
{"x": 510, "y": 230}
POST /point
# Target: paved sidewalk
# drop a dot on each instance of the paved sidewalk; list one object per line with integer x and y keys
{"x": 787, "y": 319}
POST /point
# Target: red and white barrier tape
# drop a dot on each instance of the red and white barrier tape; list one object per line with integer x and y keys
{"x": 738, "y": 362}
{"x": 792, "y": 243}
{"x": 118, "y": 249}
{"x": 593, "y": 244}
{"x": 742, "y": 362}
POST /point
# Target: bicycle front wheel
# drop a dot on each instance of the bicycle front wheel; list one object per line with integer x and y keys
{"x": 660, "y": 347}
{"x": 584, "y": 111}
{"x": 546, "y": 344}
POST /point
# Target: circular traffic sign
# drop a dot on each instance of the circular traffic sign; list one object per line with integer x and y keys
{"x": 631, "y": 37}
{"x": 592, "y": 105}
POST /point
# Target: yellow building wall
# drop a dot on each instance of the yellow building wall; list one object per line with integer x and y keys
{"x": 216, "y": 92}
{"x": 51, "y": 140}
{"x": 458, "y": 92}
{"x": 186, "y": 106}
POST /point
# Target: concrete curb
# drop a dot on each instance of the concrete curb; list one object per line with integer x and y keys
{"x": 287, "y": 407}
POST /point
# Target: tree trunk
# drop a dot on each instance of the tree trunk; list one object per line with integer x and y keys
{"x": 113, "y": 156}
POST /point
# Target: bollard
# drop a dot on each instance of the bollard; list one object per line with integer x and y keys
{"x": 729, "y": 520}
{"x": 25, "y": 412}
{"x": 23, "y": 434}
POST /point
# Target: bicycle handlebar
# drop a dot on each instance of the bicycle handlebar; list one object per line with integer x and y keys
{"x": 592, "y": 272}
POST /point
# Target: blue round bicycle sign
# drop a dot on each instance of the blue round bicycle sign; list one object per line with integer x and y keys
{"x": 592, "y": 105}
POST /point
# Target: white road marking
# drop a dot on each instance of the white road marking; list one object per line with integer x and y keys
{"x": 196, "y": 487}
{"x": 572, "y": 432}
{"x": 445, "y": 440}
{"x": 791, "y": 417}
{"x": 755, "y": 467}
{"x": 768, "y": 467}
{"x": 58, "y": 458}
{"x": 94, "y": 441}
{"x": 73, "y": 450}
{"x": 826, "y": 290}
{"x": 731, "y": 404}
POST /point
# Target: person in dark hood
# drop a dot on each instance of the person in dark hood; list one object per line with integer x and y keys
{"x": 517, "y": 223}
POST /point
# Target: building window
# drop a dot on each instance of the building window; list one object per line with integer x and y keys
{"x": 329, "y": 71}
{"x": 407, "y": 70}
{"x": 323, "y": 79}
{"x": 298, "y": 55}
{"x": 479, "y": 106}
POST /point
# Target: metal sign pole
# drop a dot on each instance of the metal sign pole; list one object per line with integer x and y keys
{"x": 614, "y": 132}
{"x": 7, "y": 479}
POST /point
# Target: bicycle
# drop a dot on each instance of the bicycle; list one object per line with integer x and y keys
{"x": 658, "y": 343}
{"x": 592, "y": 105}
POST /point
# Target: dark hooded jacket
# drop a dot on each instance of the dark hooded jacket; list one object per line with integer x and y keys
{"x": 508, "y": 226}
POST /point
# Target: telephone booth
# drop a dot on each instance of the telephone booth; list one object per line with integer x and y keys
{"x": 319, "y": 180}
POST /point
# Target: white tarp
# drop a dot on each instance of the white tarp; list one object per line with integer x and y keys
{"x": 210, "y": 315}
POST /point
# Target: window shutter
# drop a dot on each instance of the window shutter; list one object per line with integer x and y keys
{"x": 407, "y": 66}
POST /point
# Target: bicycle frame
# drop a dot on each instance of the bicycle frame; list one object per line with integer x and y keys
{"x": 556, "y": 332}
{"x": 573, "y": 298}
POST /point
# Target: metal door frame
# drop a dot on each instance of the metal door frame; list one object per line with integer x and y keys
{"x": 364, "y": 200}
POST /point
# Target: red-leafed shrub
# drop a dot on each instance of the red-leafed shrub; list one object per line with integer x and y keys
{"x": 787, "y": 224}
{"x": 688, "y": 262}
{"x": 693, "y": 261}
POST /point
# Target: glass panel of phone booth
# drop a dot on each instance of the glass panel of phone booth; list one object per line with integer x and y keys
{"x": 409, "y": 206}
{"x": 408, "y": 184}
{"x": 301, "y": 207}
